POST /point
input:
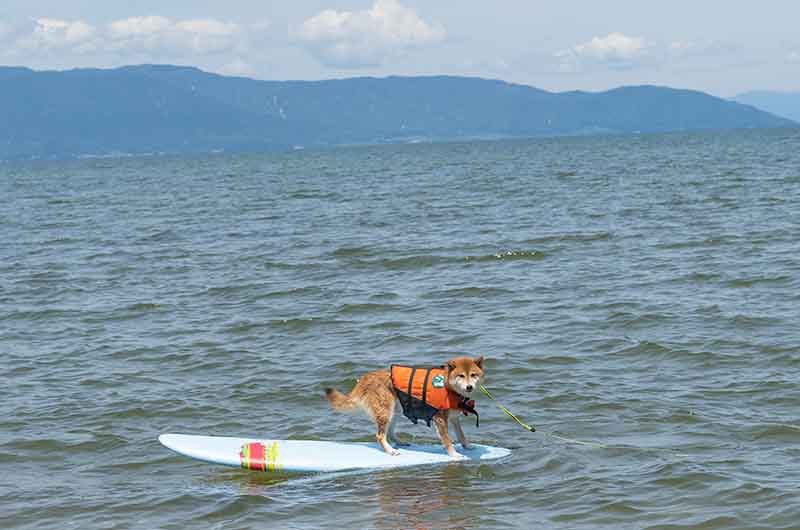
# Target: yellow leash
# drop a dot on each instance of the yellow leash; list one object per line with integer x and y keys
{"x": 570, "y": 440}
{"x": 490, "y": 396}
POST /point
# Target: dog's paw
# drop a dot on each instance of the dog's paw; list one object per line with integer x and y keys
{"x": 394, "y": 452}
{"x": 466, "y": 446}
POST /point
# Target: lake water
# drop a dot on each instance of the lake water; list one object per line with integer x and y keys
{"x": 639, "y": 293}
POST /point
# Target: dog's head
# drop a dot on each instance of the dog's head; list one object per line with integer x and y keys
{"x": 464, "y": 374}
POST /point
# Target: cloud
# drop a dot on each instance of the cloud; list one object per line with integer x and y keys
{"x": 615, "y": 50}
{"x": 793, "y": 57}
{"x": 702, "y": 48}
{"x": 207, "y": 36}
{"x": 138, "y": 34}
{"x": 151, "y": 34}
{"x": 611, "y": 48}
{"x": 138, "y": 26}
{"x": 356, "y": 39}
{"x": 152, "y": 37}
{"x": 46, "y": 34}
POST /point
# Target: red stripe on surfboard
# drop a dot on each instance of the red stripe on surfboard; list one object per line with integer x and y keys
{"x": 258, "y": 456}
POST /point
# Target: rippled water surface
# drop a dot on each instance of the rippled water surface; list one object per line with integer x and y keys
{"x": 640, "y": 293}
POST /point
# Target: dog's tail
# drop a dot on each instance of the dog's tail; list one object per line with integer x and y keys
{"x": 339, "y": 401}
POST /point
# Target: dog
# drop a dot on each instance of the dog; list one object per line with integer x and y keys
{"x": 445, "y": 394}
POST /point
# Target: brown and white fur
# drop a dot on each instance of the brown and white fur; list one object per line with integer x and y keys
{"x": 375, "y": 395}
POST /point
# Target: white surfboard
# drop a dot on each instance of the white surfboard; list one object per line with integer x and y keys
{"x": 314, "y": 456}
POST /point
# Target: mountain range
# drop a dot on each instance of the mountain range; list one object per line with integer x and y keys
{"x": 174, "y": 109}
{"x": 786, "y": 104}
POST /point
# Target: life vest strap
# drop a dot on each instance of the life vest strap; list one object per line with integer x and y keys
{"x": 410, "y": 389}
{"x": 424, "y": 387}
{"x": 468, "y": 407}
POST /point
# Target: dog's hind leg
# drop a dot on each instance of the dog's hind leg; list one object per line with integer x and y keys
{"x": 374, "y": 395}
{"x": 381, "y": 408}
{"x": 383, "y": 422}
{"x": 393, "y": 439}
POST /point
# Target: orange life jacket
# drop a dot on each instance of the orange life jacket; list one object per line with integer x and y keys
{"x": 422, "y": 393}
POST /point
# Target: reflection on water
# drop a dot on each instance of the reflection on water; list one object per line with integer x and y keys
{"x": 425, "y": 498}
{"x": 418, "y": 498}
{"x": 249, "y": 482}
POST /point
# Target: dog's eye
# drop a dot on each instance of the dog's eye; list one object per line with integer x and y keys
{"x": 473, "y": 375}
{"x": 460, "y": 376}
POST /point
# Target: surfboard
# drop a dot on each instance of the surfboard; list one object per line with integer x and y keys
{"x": 315, "y": 456}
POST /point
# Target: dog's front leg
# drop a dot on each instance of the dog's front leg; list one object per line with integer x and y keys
{"x": 440, "y": 422}
{"x": 460, "y": 432}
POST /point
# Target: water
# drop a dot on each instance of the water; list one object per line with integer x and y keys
{"x": 637, "y": 292}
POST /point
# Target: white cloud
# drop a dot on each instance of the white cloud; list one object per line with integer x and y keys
{"x": 138, "y": 26}
{"x": 615, "y": 50}
{"x": 618, "y": 51}
{"x": 138, "y": 34}
{"x": 208, "y": 27}
{"x": 150, "y": 37}
{"x": 63, "y": 31}
{"x": 156, "y": 34}
{"x": 354, "y": 39}
{"x": 702, "y": 48}
{"x": 793, "y": 57}
{"x": 611, "y": 48}
{"x": 47, "y": 34}
{"x": 208, "y": 36}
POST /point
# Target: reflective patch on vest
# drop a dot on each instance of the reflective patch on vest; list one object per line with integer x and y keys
{"x": 438, "y": 381}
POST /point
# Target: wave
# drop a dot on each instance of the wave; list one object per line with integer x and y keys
{"x": 368, "y": 308}
{"x": 159, "y": 236}
{"x": 553, "y": 360}
{"x": 422, "y": 261}
{"x": 777, "y": 432}
{"x": 578, "y": 237}
{"x": 633, "y": 320}
{"x": 645, "y": 348}
{"x": 353, "y": 252}
{"x": 389, "y": 325}
{"x": 752, "y": 282}
{"x": 467, "y": 292}
{"x": 290, "y": 324}
{"x": 755, "y": 321}
{"x": 697, "y": 243}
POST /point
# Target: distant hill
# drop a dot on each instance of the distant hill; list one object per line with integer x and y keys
{"x": 785, "y": 104}
{"x": 152, "y": 109}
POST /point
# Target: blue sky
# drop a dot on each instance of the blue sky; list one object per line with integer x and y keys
{"x": 721, "y": 47}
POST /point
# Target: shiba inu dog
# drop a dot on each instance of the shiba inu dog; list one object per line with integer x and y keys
{"x": 439, "y": 395}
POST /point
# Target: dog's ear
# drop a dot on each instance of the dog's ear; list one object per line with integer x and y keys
{"x": 479, "y": 361}
{"x": 451, "y": 365}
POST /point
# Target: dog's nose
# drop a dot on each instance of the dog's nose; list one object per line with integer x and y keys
{"x": 469, "y": 388}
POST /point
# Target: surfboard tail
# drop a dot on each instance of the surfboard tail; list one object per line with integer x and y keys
{"x": 339, "y": 401}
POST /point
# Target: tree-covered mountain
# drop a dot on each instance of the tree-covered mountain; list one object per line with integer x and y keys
{"x": 153, "y": 109}
{"x": 786, "y": 104}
